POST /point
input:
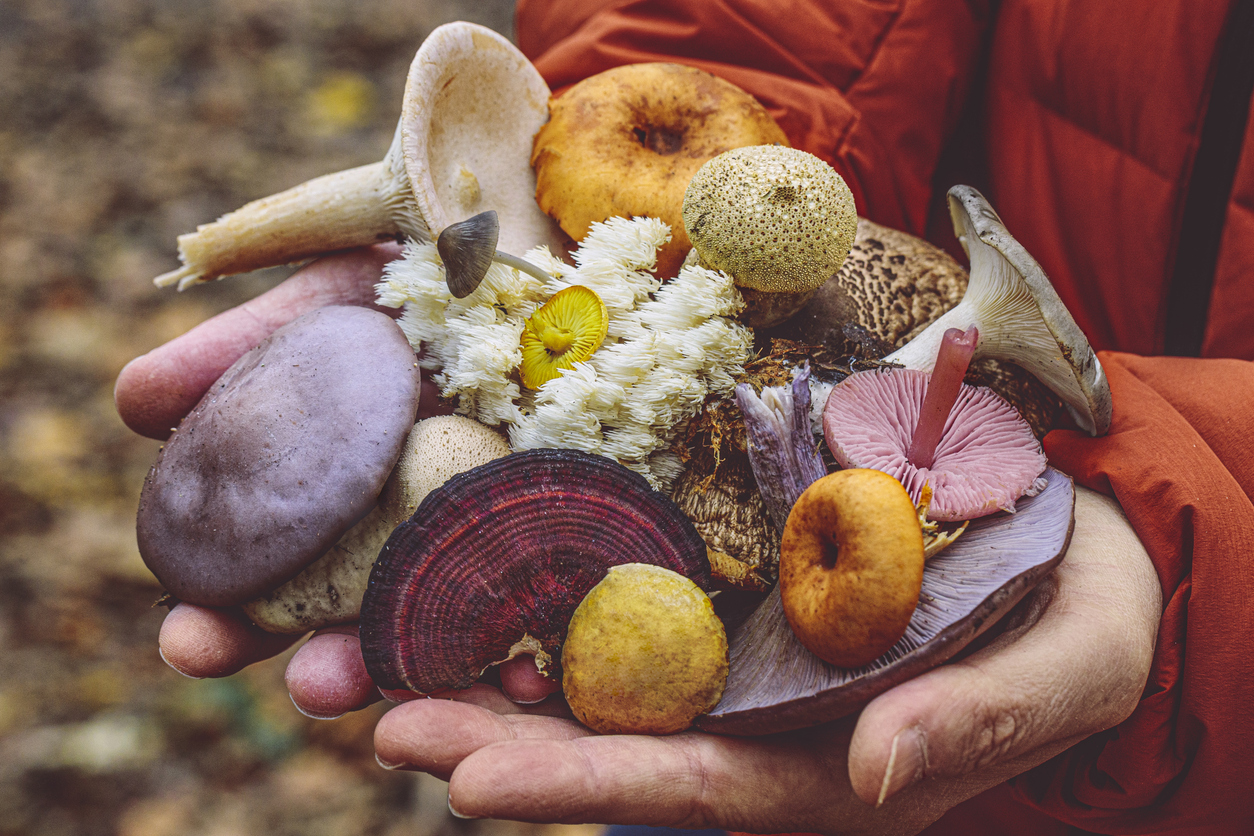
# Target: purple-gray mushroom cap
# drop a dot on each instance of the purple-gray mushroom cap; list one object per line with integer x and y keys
{"x": 776, "y": 685}
{"x": 287, "y": 450}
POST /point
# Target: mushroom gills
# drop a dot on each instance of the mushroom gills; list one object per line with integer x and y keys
{"x": 1019, "y": 314}
{"x": 776, "y": 685}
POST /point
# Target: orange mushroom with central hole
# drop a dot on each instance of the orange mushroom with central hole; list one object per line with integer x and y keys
{"x": 851, "y": 566}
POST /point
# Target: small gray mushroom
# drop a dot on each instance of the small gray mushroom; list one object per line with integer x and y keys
{"x": 330, "y": 590}
{"x": 281, "y": 456}
{"x": 468, "y": 249}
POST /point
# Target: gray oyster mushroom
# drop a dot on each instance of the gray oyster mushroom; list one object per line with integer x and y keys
{"x": 1019, "y": 316}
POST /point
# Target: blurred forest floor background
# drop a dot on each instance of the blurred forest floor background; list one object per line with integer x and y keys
{"x": 124, "y": 123}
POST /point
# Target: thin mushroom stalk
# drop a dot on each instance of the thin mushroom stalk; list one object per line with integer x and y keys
{"x": 1019, "y": 315}
{"x": 942, "y": 393}
{"x": 472, "y": 106}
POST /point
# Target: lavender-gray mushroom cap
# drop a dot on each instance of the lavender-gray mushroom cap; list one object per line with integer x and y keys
{"x": 777, "y": 685}
{"x": 284, "y": 454}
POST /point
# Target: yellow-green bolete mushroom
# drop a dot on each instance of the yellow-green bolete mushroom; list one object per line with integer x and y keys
{"x": 779, "y": 221}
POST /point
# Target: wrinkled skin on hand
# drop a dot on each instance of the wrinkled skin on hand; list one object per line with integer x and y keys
{"x": 1071, "y": 660}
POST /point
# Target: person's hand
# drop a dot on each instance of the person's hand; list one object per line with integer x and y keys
{"x": 154, "y": 392}
{"x": 1073, "y": 661}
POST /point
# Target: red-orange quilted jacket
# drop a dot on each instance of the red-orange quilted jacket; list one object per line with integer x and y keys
{"x": 1082, "y": 121}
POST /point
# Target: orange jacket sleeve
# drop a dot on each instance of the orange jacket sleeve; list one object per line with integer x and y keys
{"x": 1180, "y": 459}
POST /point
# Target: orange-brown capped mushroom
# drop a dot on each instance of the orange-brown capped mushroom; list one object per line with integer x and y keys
{"x": 851, "y": 566}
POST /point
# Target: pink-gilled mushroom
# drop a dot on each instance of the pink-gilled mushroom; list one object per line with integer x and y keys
{"x": 495, "y": 561}
{"x": 462, "y": 145}
{"x": 974, "y": 450}
{"x": 1019, "y": 316}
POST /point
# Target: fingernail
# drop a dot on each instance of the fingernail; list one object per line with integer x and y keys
{"x": 313, "y": 716}
{"x": 175, "y": 667}
{"x": 906, "y": 761}
{"x": 453, "y": 810}
{"x": 386, "y": 764}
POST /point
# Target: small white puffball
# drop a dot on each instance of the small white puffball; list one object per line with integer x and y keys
{"x": 437, "y": 449}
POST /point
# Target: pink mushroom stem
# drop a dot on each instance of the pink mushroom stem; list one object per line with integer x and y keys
{"x": 952, "y": 360}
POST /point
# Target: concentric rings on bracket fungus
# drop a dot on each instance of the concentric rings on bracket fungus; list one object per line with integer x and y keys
{"x": 504, "y": 553}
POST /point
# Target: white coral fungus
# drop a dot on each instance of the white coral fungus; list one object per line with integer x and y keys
{"x": 669, "y": 346}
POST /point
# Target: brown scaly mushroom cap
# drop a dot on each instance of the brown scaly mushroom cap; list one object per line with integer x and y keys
{"x": 775, "y": 219}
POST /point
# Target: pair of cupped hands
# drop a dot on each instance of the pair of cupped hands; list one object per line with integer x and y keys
{"x": 1071, "y": 660}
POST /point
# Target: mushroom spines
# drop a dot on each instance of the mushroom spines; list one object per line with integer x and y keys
{"x": 774, "y": 218}
{"x": 506, "y": 550}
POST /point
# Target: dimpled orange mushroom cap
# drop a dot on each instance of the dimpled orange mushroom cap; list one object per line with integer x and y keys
{"x": 625, "y": 143}
{"x": 851, "y": 566}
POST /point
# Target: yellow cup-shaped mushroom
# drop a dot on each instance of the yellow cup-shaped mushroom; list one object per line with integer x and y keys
{"x": 564, "y": 331}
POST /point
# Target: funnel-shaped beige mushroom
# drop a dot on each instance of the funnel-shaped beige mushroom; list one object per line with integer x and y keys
{"x": 472, "y": 105}
{"x": 1019, "y": 316}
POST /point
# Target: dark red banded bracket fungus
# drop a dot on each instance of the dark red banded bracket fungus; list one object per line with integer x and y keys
{"x": 494, "y": 562}
{"x": 974, "y": 450}
{"x": 286, "y": 452}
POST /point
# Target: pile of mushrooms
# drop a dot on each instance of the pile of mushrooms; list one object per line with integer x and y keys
{"x": 476, "y": 568}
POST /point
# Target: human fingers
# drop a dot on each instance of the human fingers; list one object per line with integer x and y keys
{"x": 435, "y": 735}
{"x": 690, "y": 780}
{"x": 154, "y": 391}
{"x": 1076, "y": 664}
{"x": 327, "y": 676}
{"x": 203, "y": 642}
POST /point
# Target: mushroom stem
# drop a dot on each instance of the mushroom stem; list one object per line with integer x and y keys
{"x": 1020, "y": 316}
{"x": 952, "y": 361}
{"x": 352, "y": 208}
{"x": 521, "y": 264}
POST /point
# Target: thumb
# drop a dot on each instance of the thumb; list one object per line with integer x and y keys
{"x": 1072, "y": 662}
